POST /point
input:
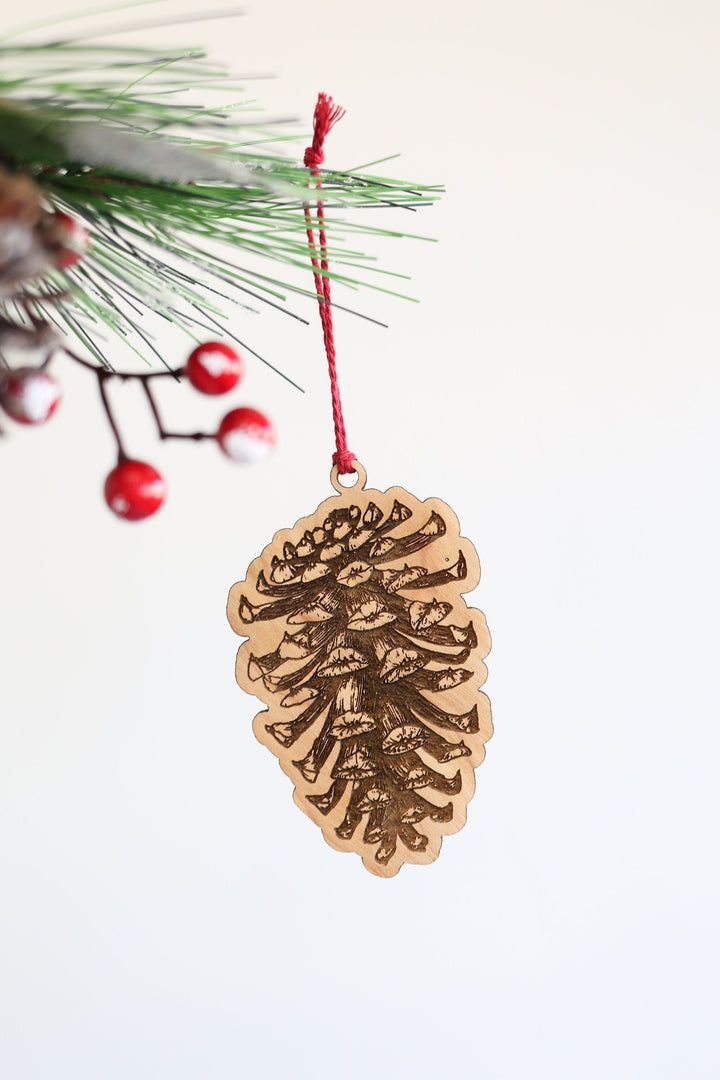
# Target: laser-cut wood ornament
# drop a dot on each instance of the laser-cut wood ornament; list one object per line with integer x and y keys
{"x": 364, "y": 651}
{"x": 370, "y": 663}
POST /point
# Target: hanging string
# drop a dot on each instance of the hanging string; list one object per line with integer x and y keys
{"x": 326, "y": 115}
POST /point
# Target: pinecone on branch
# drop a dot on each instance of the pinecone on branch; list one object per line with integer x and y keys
{"x": 370, "y": 662}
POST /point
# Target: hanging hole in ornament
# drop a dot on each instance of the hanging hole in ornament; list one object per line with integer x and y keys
{"x": 359, "y": 481}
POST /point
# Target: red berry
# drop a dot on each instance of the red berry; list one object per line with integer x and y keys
{"x": 29, "y": 396}
{"x": 246, "y": 435}
{"x": 134, "y": 490}
{"x": 72, "y": 238}
{"x": 214, "y": 368}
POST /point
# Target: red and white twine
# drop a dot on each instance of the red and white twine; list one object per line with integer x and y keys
{"x": 326, "y": 115}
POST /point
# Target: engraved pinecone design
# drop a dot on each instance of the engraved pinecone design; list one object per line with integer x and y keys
{"x": 370, "y": 663}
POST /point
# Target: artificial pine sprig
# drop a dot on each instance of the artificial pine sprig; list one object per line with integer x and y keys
{"x": 179, "y": 197}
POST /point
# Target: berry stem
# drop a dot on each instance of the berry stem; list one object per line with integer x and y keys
{"x": 102, "y": 375}
{"x": 196, "y": 436}
{"x": 141, "y": 376}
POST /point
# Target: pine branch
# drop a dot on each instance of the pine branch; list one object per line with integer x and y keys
{"x": 179, "y": 195}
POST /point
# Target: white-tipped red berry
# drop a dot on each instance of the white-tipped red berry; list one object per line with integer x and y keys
{"x": 69, "y": 239}
{"x": 134, "y": 490}
{"x": 214, "y": 368}
{"x": 245, "y": 435}
{"x": 29, "y": 395}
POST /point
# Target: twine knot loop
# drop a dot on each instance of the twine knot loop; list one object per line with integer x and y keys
{"x": 344, "y": 459}
{"x": 313, "y": 158}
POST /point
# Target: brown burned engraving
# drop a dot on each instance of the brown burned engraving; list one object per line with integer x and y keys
{"x": 370, "y": 662}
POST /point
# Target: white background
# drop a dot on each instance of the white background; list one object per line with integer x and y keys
{"x": 166, "y": 910}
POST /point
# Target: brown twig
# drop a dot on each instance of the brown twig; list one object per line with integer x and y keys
{"x": 102, "y": 375}
{"x": 196, "y": 435}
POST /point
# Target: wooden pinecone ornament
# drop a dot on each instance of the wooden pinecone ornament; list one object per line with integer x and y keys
{"x": 370, "y": 663}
